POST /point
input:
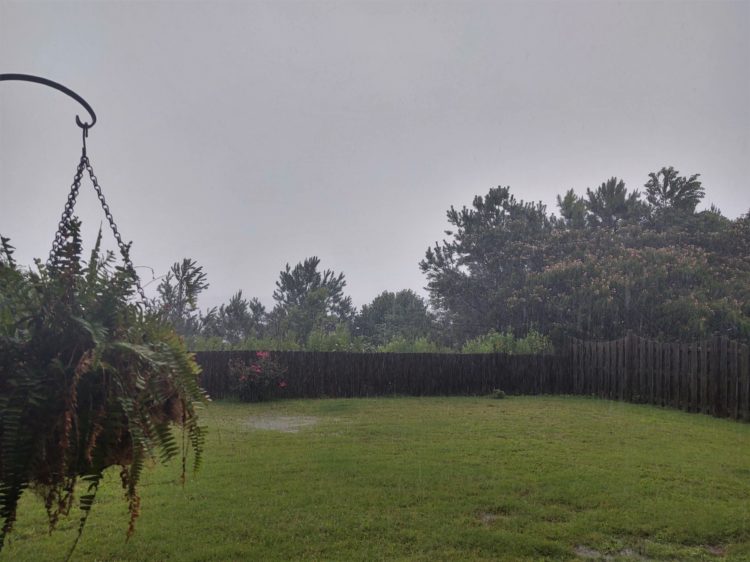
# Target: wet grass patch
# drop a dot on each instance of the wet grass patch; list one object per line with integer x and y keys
{"x": 528, "y": 478}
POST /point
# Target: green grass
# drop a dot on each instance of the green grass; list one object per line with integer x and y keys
{"x": 528, "y": 478}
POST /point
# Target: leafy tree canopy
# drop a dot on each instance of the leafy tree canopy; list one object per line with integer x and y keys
{"x": 402, "y": 314}
{"x": 611, "y": 263}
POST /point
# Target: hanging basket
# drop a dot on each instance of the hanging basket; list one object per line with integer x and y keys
{"x": 90, "y": 377}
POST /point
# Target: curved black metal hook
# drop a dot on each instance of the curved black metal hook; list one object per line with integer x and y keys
{"x": 61, "y": 88}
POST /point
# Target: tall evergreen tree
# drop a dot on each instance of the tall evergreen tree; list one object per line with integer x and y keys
{"x": 178, "y": 293}
{"x": 572, "y": 209}
{"x": 610, "y": 205}
{"x": 667, "y": 190}
{"x": 493, "y": 246}
{"x": 308, "y": 299}
{"x": 237, "y": 320}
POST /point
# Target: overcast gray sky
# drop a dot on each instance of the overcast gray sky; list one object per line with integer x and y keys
{"x": 248, "y": 135}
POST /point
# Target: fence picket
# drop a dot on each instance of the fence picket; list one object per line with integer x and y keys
{"x": 722, "y": 405}
{"x": 693, "y": 368}
{"x": 684, "y": 378}
{"x": 734, "y": 381}
{"x": 744, "y": 384}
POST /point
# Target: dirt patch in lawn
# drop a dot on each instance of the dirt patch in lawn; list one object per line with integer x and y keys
{"x": 285, "y": 424}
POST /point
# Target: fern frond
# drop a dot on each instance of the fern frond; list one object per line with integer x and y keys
{"x": 85, "y": 504}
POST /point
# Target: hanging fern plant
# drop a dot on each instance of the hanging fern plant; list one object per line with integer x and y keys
{"x": 89, "y": 380}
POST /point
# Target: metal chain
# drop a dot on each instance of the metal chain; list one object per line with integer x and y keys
{"x": 68, "y": 213}
{"x": 124, "y": 248}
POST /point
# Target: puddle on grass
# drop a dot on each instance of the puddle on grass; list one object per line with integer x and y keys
{"x": 588, "y": 553}
{"x": 716, "y": 550}
{"x": 488, "y": 518}
{"x": 284, "y": 424}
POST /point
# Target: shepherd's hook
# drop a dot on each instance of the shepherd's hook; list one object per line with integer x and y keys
{"x": 64, "y": 90}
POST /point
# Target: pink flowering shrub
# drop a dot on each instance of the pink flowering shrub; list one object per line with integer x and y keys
{"x": 257, "y": 380}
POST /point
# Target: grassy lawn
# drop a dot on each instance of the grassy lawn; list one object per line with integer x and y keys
{"x": 527, "y": 478}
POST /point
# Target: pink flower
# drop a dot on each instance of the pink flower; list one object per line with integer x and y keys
{"x": 262, "y": 355}
{"x": 282, "y": 384}
{"x": 255, "y": 368}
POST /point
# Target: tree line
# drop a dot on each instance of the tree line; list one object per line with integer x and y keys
{"x": 510, "y": 276}
{"x": 311, "y": 311}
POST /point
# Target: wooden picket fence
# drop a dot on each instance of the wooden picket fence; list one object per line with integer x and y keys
{"x": 711, "y": 377}
{"x": 312, "y": 374}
